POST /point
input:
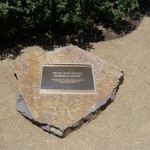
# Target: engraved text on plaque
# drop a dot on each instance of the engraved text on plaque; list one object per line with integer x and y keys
{"x": 67, "y": 78}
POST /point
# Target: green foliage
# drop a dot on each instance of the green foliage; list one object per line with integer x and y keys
{"x": 30, "y": 15}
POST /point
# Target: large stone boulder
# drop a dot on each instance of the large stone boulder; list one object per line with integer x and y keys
{"x": 61, "y": 109}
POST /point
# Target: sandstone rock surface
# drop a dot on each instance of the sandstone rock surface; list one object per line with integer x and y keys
{"x": 60, "y": 113}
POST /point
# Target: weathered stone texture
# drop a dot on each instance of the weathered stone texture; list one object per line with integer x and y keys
{"x": 57, "y": 112}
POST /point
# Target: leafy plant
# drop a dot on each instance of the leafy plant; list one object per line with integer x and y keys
{"x": 22, "y": 16}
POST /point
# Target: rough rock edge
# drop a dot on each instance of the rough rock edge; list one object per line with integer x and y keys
{"x": 93, "y": 112}
{"x": 90, "y": 115}
{"x": 21, "y": 107}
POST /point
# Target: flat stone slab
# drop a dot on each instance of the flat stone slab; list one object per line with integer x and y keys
{"x": 63, "y": 89}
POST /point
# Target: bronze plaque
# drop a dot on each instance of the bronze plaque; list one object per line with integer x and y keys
{"x": 67, "y": 78}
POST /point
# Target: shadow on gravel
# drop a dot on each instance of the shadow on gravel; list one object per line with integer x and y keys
{"x": 145, "y": 7}
{"x": 148, "y": 9}
{"x": 11, "y": 48}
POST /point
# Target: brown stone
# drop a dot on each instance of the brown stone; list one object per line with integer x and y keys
{"x": 61, "y": 112}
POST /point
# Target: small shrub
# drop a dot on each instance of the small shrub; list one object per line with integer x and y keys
{"x": 31, "y": 15}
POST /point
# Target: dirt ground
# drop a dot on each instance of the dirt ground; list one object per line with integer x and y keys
{"x": 124, "y": 125}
